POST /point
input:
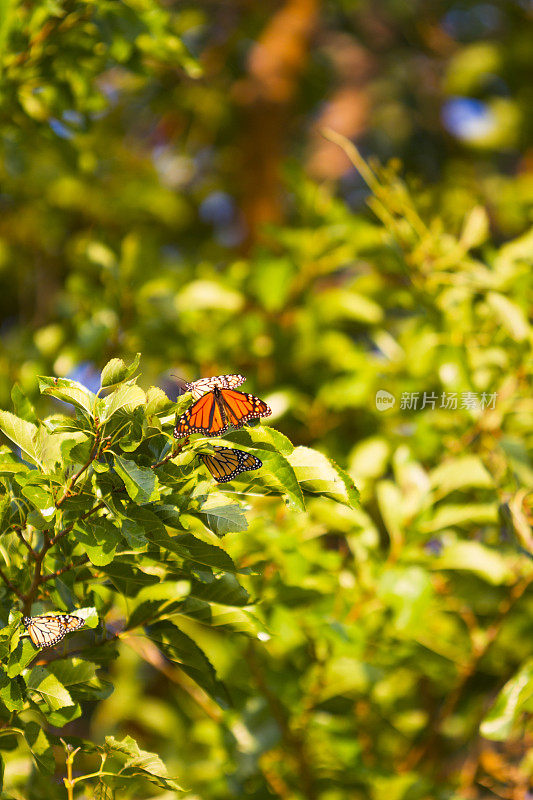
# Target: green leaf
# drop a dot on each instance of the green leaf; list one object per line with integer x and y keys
{"x": 224, "y": 589}
{"x": 192, "y": 549}
{"x": 69, "y": 391}
{"x": 102, "y": 791}
{"x": 460, "y": 473}
{"x": 99, "y": 538}
{"x": 41, "y": 498}
{"x": 22, "y": 433}
{"x": 10, "y": 464}
{"x": 41, "y": 681}
{"x": 127, "y": 396}
{"x": 475, "y": 557}
{"x": 157, "y": 402}
{"x": 510, "y": 315}
{"x": 222, "y": 519}
{"x": 138, "y": 520}
{"x": 260, "y": 437}
{"x": 408, "y": 591}
{"x": 72, "y": 671}
{"x": 139, "y": 762}
{"x": 128, "y": 577}
{"x": 502, "y": 717}
{"x": 20, "y": 657}
{"x": 154, "y": 601}
{"x": 182, "y": 650}
{"x": 140, "y": 482}
{"x": 10, "y": 692}
{"x": 462, "y": 515}
{"x": 40, "y": 747}
{"x": 65, "y": 715}
{"x": 233, "y": 619}
{"x": 21, "y": 404}
{"x": 317, "y": 474}
{"x": 116, "y": 371}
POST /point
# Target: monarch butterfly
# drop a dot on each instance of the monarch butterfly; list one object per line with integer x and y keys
{"x": 47, "y": 630}
{"x": 199, "y": 388}
{"x": 217, "y": 409}
{"x": 226, "y": 463}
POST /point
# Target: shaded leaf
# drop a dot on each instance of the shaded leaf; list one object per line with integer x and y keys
{"x": 128, "y": 577}
{"x": 140, "y": 482}
{"x": 182, "y": 650}
{"x": 222, "y": 519}
{"x": 40, "y": 747}
{"x": 10, "y": 692}
{"x": 99, "y": 538}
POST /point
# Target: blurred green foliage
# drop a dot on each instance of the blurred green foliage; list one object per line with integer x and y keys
{"x": 137, "y": 142}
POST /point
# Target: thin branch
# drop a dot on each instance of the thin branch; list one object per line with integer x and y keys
{"x": 26, "y": 544}
{"x": 72, "y": 482}
{"x": 73, "y": 565}
{"x": 72, "y": 524}
{"x": 173, "y": 452}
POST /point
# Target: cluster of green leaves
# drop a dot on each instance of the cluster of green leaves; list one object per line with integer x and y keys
{"x": 104, "y": 510}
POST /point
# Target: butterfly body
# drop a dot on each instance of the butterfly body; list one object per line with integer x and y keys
{"x": 219, "y": 408}
{"x": 46, "y": 630}
{"x": 227, "y": 462}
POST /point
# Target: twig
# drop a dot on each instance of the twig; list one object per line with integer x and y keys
{"x": 68, "y": 781}
{"x": 32, "y": 552}
{"x": 173, "y": 452}
{"x": 79, "y": 473}
{"x": 74, "y": 565}
{"x": 71, "y": 526}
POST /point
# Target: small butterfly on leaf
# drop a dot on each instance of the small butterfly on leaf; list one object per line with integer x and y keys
{"x": 46, "y": 630}
{"x": 227, "y": 462}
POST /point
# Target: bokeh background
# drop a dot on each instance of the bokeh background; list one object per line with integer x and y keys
{"x": 165, "y": 187}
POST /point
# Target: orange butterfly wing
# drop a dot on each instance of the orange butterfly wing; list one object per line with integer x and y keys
{"x": 204, "y": 416}
{"x": 240, "y": 407}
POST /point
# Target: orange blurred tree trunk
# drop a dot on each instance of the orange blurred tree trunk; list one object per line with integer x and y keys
{"x": 275, "y": 64}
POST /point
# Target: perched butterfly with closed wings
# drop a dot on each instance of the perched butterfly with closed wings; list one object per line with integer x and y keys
{"x": 200, "y": 387}
{"x": 226, "y": 463}
{"x": 46, "y": 630}
{"x": 219, "y": 408}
